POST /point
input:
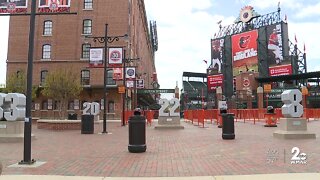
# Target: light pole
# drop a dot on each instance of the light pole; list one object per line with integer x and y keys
{"x": 106, "y": 39}
{"x": 124, "y": 84}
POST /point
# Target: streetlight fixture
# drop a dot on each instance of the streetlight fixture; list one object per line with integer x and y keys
{"x": 124, "y": 84}
{"x": 106, "y": 39}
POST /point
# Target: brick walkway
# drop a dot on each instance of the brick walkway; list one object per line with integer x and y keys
{"x": 193, "y": 151}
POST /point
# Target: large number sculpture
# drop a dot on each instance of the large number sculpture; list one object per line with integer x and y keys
{"x": 293, "y": 126}
{"x": 168, "y": 117}
{"x": 292, "y": 107}
{"x": 12, "y": 106}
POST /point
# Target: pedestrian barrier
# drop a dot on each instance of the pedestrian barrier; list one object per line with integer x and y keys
{"x": 200, "y": 116}
{"x": 127, "y": 115}
{"x": 149, "y": 115}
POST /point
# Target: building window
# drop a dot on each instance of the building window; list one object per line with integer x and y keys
{"x": 110, "y": 80}
{"x": 44, "y": 105}
{"x": 85, "y": 51}
{"x": 110, "y": 107}
{"x": 71, "y": 105}
{"x": 85, "y": 77}
{"x": 87, "y": 26}
{"x": 46, "y": 51}
{"x": 88, "y": 4}
{"x": 43, "y": 77}
{"x": 47, "y": 28}
{"x": 56, "y": 105}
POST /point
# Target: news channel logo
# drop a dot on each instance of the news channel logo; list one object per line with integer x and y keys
{"x": 296, "y": 156}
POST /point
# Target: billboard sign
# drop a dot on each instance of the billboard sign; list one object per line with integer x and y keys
{"x": 215, "y": 81}
{"x": 54, "y": 5}
{"x": 280, "y": 70}
{"x": 275, "y": 45}
{"x": 244, "y": 52}
{"x": 216, "y": 56}
{"x": 13, "y": 6}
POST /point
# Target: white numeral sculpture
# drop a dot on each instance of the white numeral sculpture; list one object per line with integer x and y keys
{"x": 292, "y": 107}
{"x": 12, "y": 106}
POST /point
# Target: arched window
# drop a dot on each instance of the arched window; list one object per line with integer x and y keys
{"x": 47, "y": 27}
{"x": 87, "y": 26}
{"x": 85, "y": 51}
{"x": 44, "y": 105}
{"x": 46, "y": 51}
{"x": 85, "y": 77}
{"x": 43, "y": 75}
{"x": 111, "y": 107}
{"x": 88, "y": 4}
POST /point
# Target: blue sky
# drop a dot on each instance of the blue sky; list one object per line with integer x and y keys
{"x": 185, "y": 28}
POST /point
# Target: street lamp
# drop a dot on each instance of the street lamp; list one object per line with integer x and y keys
{"x": 124, "y": 84}
{"x": 106, "y": 39}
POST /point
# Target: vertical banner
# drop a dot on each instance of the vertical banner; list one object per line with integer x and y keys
{"x": 274, "y": 37}
{"x": 216, "y": 56}
{"x": 13, "y": 6}
{"x": 140, "y": 83}
{"x": 130, "y": 84}
{"x": 278, "y": 64}
{"x": 117, "y": 73}
{"x": 115, "y": 56}
{"x": 244, "y": 52}
{"x": 215, "y": 76}
{"x": 130, "y": 72}
{"x": 54, "y": 5}
{"x": 96, "y": 57}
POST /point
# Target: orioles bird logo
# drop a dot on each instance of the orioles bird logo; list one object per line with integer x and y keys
{"x": 244, "y": 41}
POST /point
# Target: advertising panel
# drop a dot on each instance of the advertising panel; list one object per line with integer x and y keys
{"x": 54, "y": 5}
{"x": 244, "y": 52}
{"x": 13, "y": 6}
{"x": 275, "y": 45}
{"x": 216, "y": 56}
{"x": 215, "y": 81}
{"x": 280, "y": 70}
{"x": 279, "y": 63}
{"x": 215, "y": 76}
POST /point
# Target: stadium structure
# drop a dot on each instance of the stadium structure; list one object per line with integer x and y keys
{"x": 253, "y": 52}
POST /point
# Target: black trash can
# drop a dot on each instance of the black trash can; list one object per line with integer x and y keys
{"x": 222, "y": 111}
{"x": 270, "y": 110}
{"x": 87, "y": 124}
{"x": 228, "y": 126}
{"x": 72, "y": 116}
{"x": 137, "y": 133}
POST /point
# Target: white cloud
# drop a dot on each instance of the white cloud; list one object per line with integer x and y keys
{"x": 184, "y": 31}
{"x": 309, "y": 11}
{"x": 306, "y": 34}
{"x": 264, "y": 4}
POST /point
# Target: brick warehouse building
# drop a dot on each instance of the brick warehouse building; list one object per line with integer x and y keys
{"x": 60, "y": 41}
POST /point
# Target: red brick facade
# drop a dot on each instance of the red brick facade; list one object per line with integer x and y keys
{"x": 122, "y": 16}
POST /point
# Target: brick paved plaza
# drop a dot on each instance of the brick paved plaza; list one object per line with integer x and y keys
{"x": 193, "y": 151}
